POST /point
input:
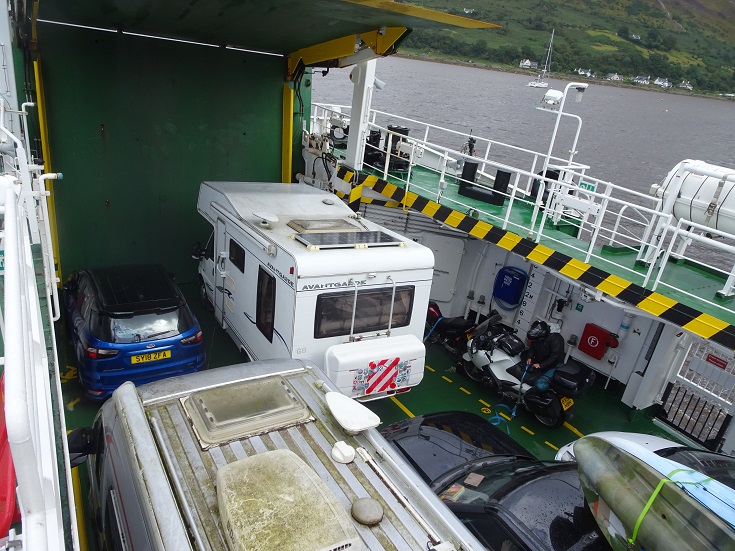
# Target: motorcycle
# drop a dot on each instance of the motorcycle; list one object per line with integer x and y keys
{"x": 493, "y": 359}
{"x": 451, "y": 333}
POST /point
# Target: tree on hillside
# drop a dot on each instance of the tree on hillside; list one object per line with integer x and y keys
{"x": 668, "y": 43}
{"x": 653, "y": 39}
{"x": 479, "y": 48}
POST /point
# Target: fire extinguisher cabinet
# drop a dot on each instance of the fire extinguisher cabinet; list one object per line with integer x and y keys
{"x": 594, "y": 341}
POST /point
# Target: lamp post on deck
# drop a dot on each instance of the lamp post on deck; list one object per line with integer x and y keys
{"x": 551, "y": 100}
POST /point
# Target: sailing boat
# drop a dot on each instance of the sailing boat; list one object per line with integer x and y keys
{"x": 539, "y": 81}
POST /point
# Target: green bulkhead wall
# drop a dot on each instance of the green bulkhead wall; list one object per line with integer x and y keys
{"x": 136, "y": 124}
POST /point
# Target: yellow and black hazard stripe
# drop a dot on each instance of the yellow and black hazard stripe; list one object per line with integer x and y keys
{"x": 699, "y": 323}
{"x": 357, "y": 184}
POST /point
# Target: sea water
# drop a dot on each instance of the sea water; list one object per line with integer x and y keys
{"x": 631, "y": 137}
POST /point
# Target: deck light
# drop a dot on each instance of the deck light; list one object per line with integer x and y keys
{"x": 580, "y": 87}
{"x": 554, "y": 101}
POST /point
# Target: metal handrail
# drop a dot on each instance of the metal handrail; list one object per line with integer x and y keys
{"x": 627, "y": 219}
{"x": 40, "y": 464}
{"x": 30, "y": 429}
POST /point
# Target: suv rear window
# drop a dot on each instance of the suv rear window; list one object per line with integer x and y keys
{"x": 144, "y": 326}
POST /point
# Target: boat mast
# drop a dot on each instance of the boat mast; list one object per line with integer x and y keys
{"x": 547, "y": 63}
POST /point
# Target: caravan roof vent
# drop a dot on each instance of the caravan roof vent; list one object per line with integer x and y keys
{"x": 275, "y": 500}
{"x": 240, "y": 410}
{"x": 347, "y": 240}
{"x": 326, "y": 225}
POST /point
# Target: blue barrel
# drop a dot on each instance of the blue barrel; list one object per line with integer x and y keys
{"x": 510, "y": 284}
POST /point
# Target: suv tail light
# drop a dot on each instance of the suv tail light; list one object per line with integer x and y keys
{"x": 194, "y": 339}
{"x": 100, "y": 353}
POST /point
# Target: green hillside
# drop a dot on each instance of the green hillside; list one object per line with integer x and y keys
{"x": 690, "y": 40}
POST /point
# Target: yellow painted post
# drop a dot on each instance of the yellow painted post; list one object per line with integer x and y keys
{"x": 45, "y": 151}
{"x": 81, "y": 528}
{"x": 287, "y": 135}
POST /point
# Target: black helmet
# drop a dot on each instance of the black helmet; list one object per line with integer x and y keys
{"x": 539, "y": 330}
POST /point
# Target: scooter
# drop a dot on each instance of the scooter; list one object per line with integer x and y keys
{"x": 493, "y": 359}
{"x": 451, "y": 333}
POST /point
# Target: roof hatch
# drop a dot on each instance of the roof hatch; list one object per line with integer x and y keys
{"x": 240, "y": 410}
{"x": 275, "y": 500}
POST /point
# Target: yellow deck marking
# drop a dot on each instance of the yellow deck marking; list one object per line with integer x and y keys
{"x": 504, "y": 416}
{"x": 529, "y": 431}
{"x": 70, "y": 405}
{"x": 573, "y": 429}
{"x": 447, "y": 379}
{"x": 552, "y": 446}
{"x": 430, "y": 368}
{"x": 465, "y": 390}
{"x": 70, "y": 375}
{"x": 404, "y": 409}
{"x": 484, "y": 403}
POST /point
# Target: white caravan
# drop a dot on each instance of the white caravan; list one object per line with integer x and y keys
{"x": 291, "y": 271}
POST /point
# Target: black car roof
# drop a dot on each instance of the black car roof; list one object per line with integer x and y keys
{"x": 131, "y": 288}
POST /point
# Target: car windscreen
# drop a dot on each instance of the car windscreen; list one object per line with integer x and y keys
{"x": 480, "y": 484}
{"x": 444, "y": 441}
{"x": 145, "y": 326}
{"x": 717, "y": 466}
{"x": 545, "y": 498}
{"x": 552, "y": 507}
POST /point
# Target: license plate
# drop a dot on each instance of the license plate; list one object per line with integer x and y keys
{"x": 151, "y": 357}
{"x": 566, "y": 403}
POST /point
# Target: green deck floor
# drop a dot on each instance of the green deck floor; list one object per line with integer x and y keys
{"x": 444, "y": 389}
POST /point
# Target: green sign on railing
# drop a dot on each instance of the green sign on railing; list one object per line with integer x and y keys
{"x": 588, "y": 186}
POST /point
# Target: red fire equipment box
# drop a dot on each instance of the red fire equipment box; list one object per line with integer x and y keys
{"x": 596, "y": 340}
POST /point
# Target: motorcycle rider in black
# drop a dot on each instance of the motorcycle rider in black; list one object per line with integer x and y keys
{"x": 546, "y": 349}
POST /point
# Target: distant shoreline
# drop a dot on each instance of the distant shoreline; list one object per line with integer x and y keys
{"x": 562, "y": 76}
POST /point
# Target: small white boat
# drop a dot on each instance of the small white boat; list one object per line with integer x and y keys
{"x": 539, "y": 81}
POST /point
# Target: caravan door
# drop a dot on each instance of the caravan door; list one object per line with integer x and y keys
{"x": 220, "y": 247}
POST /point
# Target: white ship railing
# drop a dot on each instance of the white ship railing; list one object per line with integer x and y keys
{"x": 31, "y": 376}
{"x": 607, "y": 215}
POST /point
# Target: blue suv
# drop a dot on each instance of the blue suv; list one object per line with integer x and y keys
{"x": 129, "y": 323}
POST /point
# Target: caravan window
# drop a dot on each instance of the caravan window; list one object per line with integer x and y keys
{"x": 237, "y": 256}
{"x": 266, "y": 305}
{"x": 334, "y": 311}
